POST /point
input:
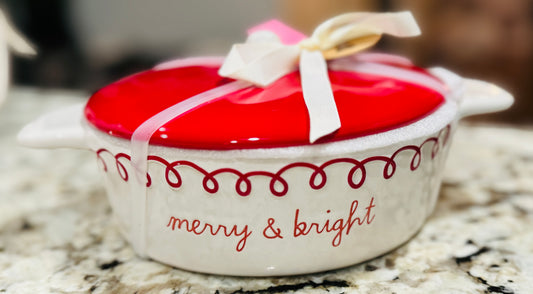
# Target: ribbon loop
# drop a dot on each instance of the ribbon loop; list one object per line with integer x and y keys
{"x": 344, "y": 30}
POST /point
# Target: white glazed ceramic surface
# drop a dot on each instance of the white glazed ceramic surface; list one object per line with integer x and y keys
{"x": 280, "y": 211}
{"x": 269, "y": 234}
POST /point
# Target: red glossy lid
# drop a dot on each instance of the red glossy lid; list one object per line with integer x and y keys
{"x": 254, "y": 118}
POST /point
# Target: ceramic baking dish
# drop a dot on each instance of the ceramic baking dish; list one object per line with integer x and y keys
{"x": 235, "y": 187}
{"x": 279, "y": 210}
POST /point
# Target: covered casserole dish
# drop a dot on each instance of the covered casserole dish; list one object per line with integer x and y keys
{"x": 235, "y": 184}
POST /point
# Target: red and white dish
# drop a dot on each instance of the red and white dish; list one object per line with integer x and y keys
{"x": 234, "y": 187}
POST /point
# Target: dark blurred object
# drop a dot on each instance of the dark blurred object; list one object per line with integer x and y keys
{"x": 86, "y": 44}
{"x": 43, "y": 23}
{"x": 490, "y": 40}
{"x": 60, "y": 62}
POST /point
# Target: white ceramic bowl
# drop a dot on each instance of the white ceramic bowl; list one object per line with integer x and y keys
{"x": 277, "y": 211}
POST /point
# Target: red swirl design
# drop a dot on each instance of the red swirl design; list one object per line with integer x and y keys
{"x": 317, "y": 180}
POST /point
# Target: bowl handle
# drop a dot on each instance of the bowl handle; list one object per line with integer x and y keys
{"x": 60, "y": 128}
{"x": 474, "y": 96}
{"x": 482, "y": 97}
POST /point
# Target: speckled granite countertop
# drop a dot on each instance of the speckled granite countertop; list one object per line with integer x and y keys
{"x": 57, "y": 234}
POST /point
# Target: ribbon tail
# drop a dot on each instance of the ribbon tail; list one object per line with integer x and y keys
{"x": 318, "y": 95}
{"x": 139, "y": 154}
{"x": 259, "y": 63}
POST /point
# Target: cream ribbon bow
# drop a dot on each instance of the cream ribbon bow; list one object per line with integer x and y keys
{"x": 264, "y": 58}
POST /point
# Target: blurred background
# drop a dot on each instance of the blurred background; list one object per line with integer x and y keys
{"x": 86, "y": 44}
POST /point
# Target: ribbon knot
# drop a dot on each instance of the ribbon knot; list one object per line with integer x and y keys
{"x": 309, "y": 44}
